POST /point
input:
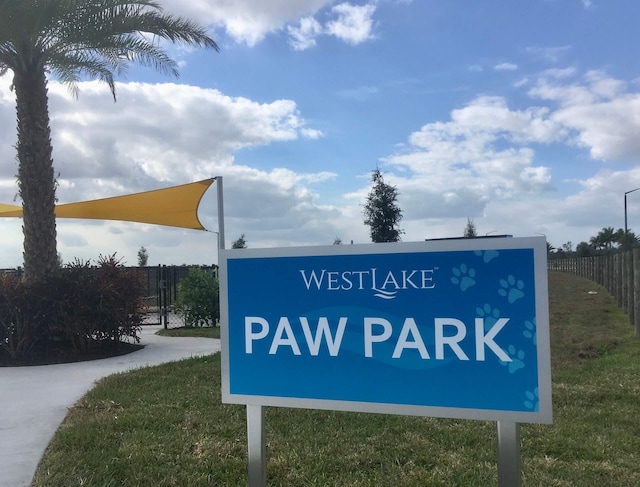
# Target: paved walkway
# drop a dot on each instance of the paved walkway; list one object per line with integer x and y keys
{"x": 35, "y": 400}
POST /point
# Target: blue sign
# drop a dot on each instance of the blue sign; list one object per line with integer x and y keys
{"x": 455, "y": 328}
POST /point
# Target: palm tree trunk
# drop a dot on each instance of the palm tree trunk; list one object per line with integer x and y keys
{"x": 35, "y": 174}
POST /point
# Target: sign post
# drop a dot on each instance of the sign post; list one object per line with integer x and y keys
{"x": 508, "y": 454}
{"x": 446, "y": 328}
{"x": 256, "y": 446}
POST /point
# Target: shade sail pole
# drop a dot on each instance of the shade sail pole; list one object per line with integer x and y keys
{"x": 220, "y": 213}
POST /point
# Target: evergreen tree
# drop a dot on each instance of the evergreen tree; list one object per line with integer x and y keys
{"x": 584, "y": 249}
{"x": 143, "y": 257}
{"x": 470, "y": 229}
{"x": 241, "y": 243}
{"x": 381, "y": 212}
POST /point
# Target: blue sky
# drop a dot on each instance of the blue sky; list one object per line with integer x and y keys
{"x": 524, "y": 116}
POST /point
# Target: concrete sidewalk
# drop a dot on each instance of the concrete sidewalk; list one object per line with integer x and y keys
{"x": 35, "y": 400}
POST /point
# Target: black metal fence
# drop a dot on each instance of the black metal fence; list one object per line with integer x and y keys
{"x": 162, "y": 283}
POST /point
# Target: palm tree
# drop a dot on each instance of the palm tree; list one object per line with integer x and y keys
{"x": 72, "y": 40}
{"x": 626, "y": 242}
{"x": 596, "y": 242}
{"x": 607, "y": 237}
{"x": 550, "y": 248}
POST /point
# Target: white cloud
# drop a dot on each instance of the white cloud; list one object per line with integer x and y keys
{"x": 490, "y": 117}
{"x": 505, "y": 67}
{"x": 350, "y": 23}
{"x": 361, "y": 93}
{"x": 482, "y": 163}
{"x": 485, "y": 162}
{"x": 599, "y": 113}
{"x": 595, "y": 86}
{"x": 550, "y": 54}
{"x": 246, "y": 21}
{"x": 249, "y": 21}
{"x": 353, "y": 23}
{"x": 609, "y": 130}
{"x": 164, "y": 134}
{"x": 304, "y": 35}
{"x": 576, "y": 217}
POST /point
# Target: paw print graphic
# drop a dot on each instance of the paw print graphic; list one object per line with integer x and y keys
{"x": 511, "y": 289}
{"x": 530, "y": 331}
{"x": 533, "y": 400}
{"x": 490, "y": 315}
{"x": 517, "y": 357}
{"x": 487, "y": 255}
{"x": 463, "y": 277}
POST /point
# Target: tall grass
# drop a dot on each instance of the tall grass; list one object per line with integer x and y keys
{"x": 166, "y": 426}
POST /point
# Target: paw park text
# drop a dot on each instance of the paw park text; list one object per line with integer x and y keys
{"x": 448, "y": 333}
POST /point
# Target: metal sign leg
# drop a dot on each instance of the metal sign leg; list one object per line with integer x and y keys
{"x": 256, "y": 446}
{"x": 508, "y": 454}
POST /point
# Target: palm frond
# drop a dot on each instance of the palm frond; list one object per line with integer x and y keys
{"x": 92, "y": 36}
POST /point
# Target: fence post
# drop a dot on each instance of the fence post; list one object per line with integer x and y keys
{"x": 609, "y": 279}
{"x": 636, "y": 290}
{"x": 158, "y": 276}
{"x": 624, "y": 275}
{"x": 602, "y": 270}
{"x": 621, "y": 277}
{"x": 605, "y": 272}
{"x": 630, "y": 285}
{"x": 163, "y": 293}
{"x": 614, "y": 278}
{"x": 617, "y": 278}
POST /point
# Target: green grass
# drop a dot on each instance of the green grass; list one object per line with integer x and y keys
{"x": 206, "y": 331}
{"x": 166, "y": 426}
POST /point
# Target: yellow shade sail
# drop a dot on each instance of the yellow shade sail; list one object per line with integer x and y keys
{"x": 176, "y": 206}
{"x": 10, "y": 210}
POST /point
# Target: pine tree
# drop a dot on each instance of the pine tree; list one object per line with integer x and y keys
{"x": 470, "y": 230}
{"x": 381, "y": 212}
{"x": 240, "y": 243}
{"x": 143, "y": 257}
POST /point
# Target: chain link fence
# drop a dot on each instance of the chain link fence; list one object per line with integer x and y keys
{"x": 162, "y": 285}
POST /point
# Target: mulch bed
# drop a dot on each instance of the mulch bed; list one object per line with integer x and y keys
{"x": 60, "y": 354}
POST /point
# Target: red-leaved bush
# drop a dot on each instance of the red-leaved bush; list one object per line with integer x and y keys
{"x": 82, "y": 310}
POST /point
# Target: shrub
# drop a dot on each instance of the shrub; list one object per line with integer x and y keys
{"x": 79, "y": 311}
{"x": 19, "y": 333}
{"x": 198, "y": 298}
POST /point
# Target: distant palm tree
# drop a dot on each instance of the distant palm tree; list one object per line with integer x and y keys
{"x": 605, "y": 239}
{"x": 550, "y": 248}
{"x": 72, "y": 40}
{"x": 596, "y": 243}
{"x": 628, "y": 241}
